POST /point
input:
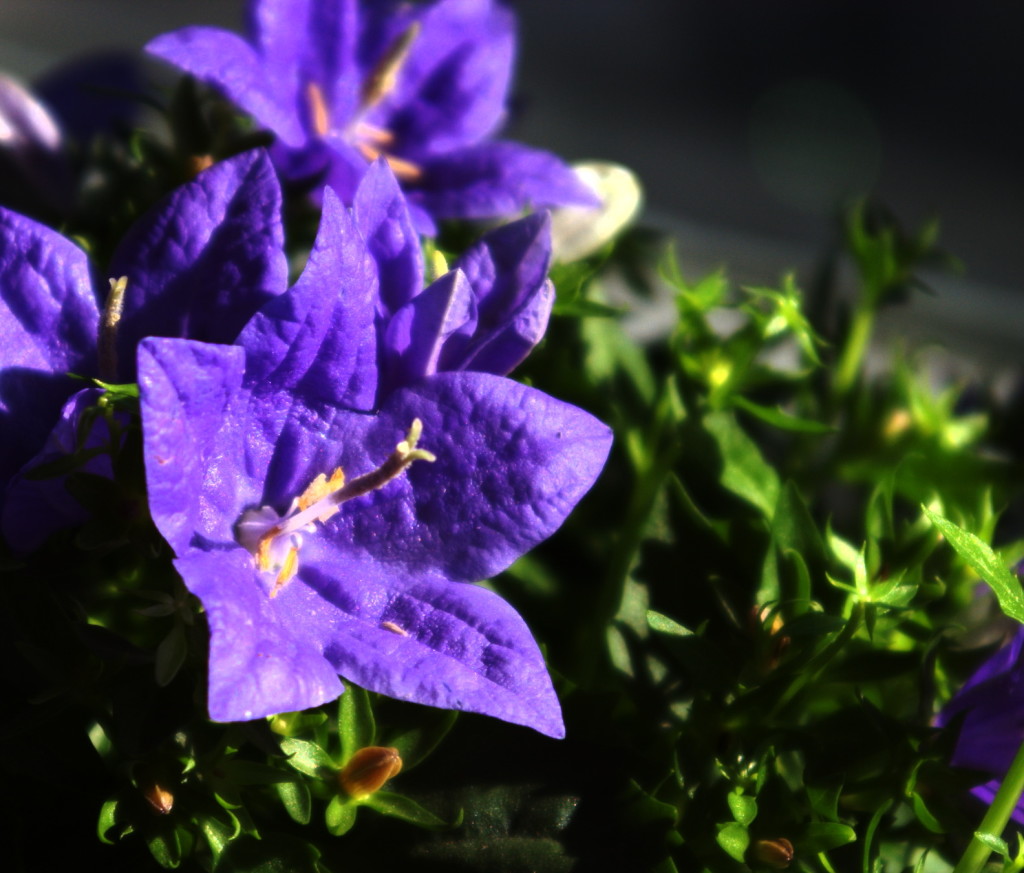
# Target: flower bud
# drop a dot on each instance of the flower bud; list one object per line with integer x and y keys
{"x": 159, "y": 798}
{"x": 368, "y": 770}
{"x": 776, "y": 853}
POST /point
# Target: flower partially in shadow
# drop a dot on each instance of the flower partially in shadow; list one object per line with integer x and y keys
{"x": 425, "y": 86}
{"x": 990, "y": 709}
{"x": 331, "y": 528}
{"x": 198, "y": 265}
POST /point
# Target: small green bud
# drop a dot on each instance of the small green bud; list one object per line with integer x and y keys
{"x": 368, "y": 770}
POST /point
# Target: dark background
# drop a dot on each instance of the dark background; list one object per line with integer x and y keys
{"x": 748, "y": 122}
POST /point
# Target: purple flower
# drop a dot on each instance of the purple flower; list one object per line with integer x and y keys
{"x": 330, "y": 528}
{"x": 991, "y": 705}
{"x": 424, "y": 85}
{"x": 485, "y": 314}
{"x": 198, "y": 265}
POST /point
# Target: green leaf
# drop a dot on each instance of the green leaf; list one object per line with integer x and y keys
{"x": 308, "y": 758}
{"x": 734, "y": 839}
{"x": 297, "y": 800}
{"x": 664, "y": 624}
{"x": 170, "y": 655}
{"x": 107, "y": 821}
{"x": 745, "y": 471}
{"x": 744, "y": 809}
{"x": 780, "y": 419}
{"x": 416, "y": 743}
{"x": 165, "y": 847}
{"x": 924, "y": 815}
{"x": 985, "y": 562}
{"x": 821, "y": 836}
{"x": 399, "y": 806}
{"x": 340, "y": 815}
{"x": 275, "y": 853}
{"x": 356, "y": 726}
{"x": 996, "y": 843}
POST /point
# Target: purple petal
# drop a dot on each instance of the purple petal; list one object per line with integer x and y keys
{"x": 318, "y": 340}
{"x": 451, "y": 91}
{"x": 48, "y": 321}
{"x": 261, "y": 661}
{"x": 511, "y": 464}
{"x": 384, "y": 222}
{"x": 424, "y": 639}
{"x": 226, "y": 61}
{"x": 508, "y": 271}
{"x": 204, "y": 260}
{"x": 439, "y": 321}
{"x": 309, "y": 42}
{"x": 184, "y": 391}
{"x": 36, "y": 508}
{"x": 496, "y": 179}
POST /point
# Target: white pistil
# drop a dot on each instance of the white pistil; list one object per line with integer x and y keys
{"x": 275, "y": 540}
{"x": 107, "y": 340}
{"x": 384, "y": 76}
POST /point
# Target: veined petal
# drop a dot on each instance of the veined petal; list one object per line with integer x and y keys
{"x": 227, "y": 62}
{"x": 494, "y": 179}
{"x": 508, "y": 271}
{"x": 195, "y": 469}
{"x": 421, "y": 638}
{"x": 439, "y": 321}
{"x": 511, "y": 464}
{"x": 48, "y": 321}
{"x": 261, "y": 662}
{"x": 203, "y": 261}
{"x": 383, "y": 219}
{"x": 318, "y": 340}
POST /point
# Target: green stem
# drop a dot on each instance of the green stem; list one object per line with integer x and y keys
{"x": 995, "y": 819}
{"x": 855, "y": 349}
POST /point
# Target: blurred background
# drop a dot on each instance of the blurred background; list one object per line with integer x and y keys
{"x": 749, "y": 124}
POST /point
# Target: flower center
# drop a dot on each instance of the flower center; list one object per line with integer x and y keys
{"x": 109, "y": 319}
{"x": 274, "y": 540}
{"x": 371, "y": 141}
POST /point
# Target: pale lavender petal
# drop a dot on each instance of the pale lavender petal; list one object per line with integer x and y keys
{"x": 194, "y": 461}
{"x": 226, "y": 61}
{"x": 495, "y": 179}
{"x": 261, "y": 661}
{"x": 203, "y": 261}
{"x": 48, "y": 321}
{"x": 319, "y": 340}
{"x": 440, "y": 320}
{"x": 423, "y": 639}
{"x": 383, "y": 219}
{"x": 451, "y": 91}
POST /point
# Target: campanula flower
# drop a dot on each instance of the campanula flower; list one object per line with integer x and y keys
{"x": 991, "y": 704}
{"x": 329, "y": 528}
{"x": 198, "y": 265}
{"x": 343, "y": 82}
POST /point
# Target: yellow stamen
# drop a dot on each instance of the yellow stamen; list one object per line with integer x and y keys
{"x": 378, "y": 136}
{"x": 405, "y": 171}
{"x": 263, "y": 558}
{"x": 384, "y": 76}
{"x": 288, "y": 571}
{"x": 320, "y": 487}
{"x": 319, "y": 116}
{"x": 394, "y": 628}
